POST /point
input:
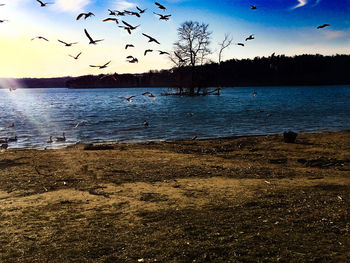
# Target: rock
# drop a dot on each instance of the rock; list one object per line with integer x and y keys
{"x": 289, "y": 136}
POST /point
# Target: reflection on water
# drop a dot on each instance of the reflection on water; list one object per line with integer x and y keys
{"x": 100, "y": 114}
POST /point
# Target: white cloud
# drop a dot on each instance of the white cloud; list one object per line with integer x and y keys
{"x": 301, "y": 3}
{"x": 72, "y": 5}
{"x": 121, "y": 5}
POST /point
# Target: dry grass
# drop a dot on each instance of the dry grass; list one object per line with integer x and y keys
{"x": 247, "y": 199}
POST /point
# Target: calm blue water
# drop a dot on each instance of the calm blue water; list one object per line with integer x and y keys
{"x": 39, "y": 113}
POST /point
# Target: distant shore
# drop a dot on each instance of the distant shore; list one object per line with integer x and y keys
{"x": 250, "y": 198}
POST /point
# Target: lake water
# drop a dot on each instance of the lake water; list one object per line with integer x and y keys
{"x": 38, "y": 114}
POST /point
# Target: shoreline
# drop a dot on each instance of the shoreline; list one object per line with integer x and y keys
{"x": 129, "y": 141}
{"x": 240, "y": 199}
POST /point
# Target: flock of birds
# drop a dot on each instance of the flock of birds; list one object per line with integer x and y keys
{"x": 251, "y": 37}
{"x": 123, "y": 24}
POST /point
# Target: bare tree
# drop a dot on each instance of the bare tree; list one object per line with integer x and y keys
{"x": 193, "y": 43}
{"x": 224, "y": 44}
{"x": 192, "y": 47}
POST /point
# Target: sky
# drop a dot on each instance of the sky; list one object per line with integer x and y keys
{"x": 282, "y": 26}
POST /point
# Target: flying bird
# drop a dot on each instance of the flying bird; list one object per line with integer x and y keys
{"x": 253, "y": 7}
{"x": 40, "y": 37}
{"x": 76, "y": 57}
{"x": 132, "y": 59}
{"x": 87, "y": 15}
{"x": 94, "y": 42}
{"x": 160, "y": 6}
{"x": 129, "y": 45}
{"x": 2, "y": 4}
{"x": 101, "y": 67}
{"x": 111, "y": 19}
{"x": 162, "y": 17}
{"x": 151, "y": 39}
{"x": 251, "y": 37}
{"x": 135, "y": 14}
{"x": 140, "y": 10}
{"x": 147, "y": 51}
{"x": 67, "y": 44}
{"x": 130, "y": 26}
{"x": 126, "y": 28}
{"x": 112, "y": 13}
{"x": 3, "y": 20}
{"x": 43, "y": 4}
{"x": 120, "y": 13}
{"x": 240, "y": 44}
{"x": 163, "y": 52}
{"x": 129, "y": 99}
{"x": 179, "y": 57}
{"x": 109, "y": 76}
{"x": 323, "y": 26}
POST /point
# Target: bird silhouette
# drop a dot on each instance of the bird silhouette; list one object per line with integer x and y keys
{"x": 40, "y": 37}
{"x": 87, "y": 15}
{"x": 109, "y": 76}
{"x": 133, "y": 60}
{"x": 67, "y": 44}
{"x": 132, "y": 13}
{"x": 2, "y": 4}
{"x": 160, "y": 6}
{"x": 111, "y": 19}
{"x": 147, "y": 51}
{"x": 101, "y": 67}
{"x": 112, "y": 12}
{"x": 50, "y": 140}
{"x": 163, "y": 52}
{"x": 179, "y": 57}
{"x": 135, "y": 14}
{"x": 162, "y": 17}
{"x": 94, "y": 42}
{"x": 129, "y": 99}
{"x": 240, "y": 44}
{"x": 130, "y": 26}
{"x": 75, "y": 57}
{"x": 43, "y": 4}
{"x": 253, "y": 7}
{"x": 61, "y": 139}
{"x": 140, "y": 10}
{"x": 251, "y": 37}
{"x": 14, "y": 139}
{"x": 323, "y": 26}
{"x": 3, "y": 20}
{"x": 126, "y": 28}
{"x": 120, "y": 13}
{"x": 128, "y": 45}
{"x": 151, "y": 39}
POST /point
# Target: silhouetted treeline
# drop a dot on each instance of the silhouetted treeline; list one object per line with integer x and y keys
{"x": 260, "y": 71}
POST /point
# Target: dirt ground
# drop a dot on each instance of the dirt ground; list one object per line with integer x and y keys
{"x": 244, "y": 199}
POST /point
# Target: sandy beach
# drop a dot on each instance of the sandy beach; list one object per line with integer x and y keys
{"x": 243, "y": 199}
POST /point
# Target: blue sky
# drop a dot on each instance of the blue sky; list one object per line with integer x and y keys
{"x": 281, "y": 26}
